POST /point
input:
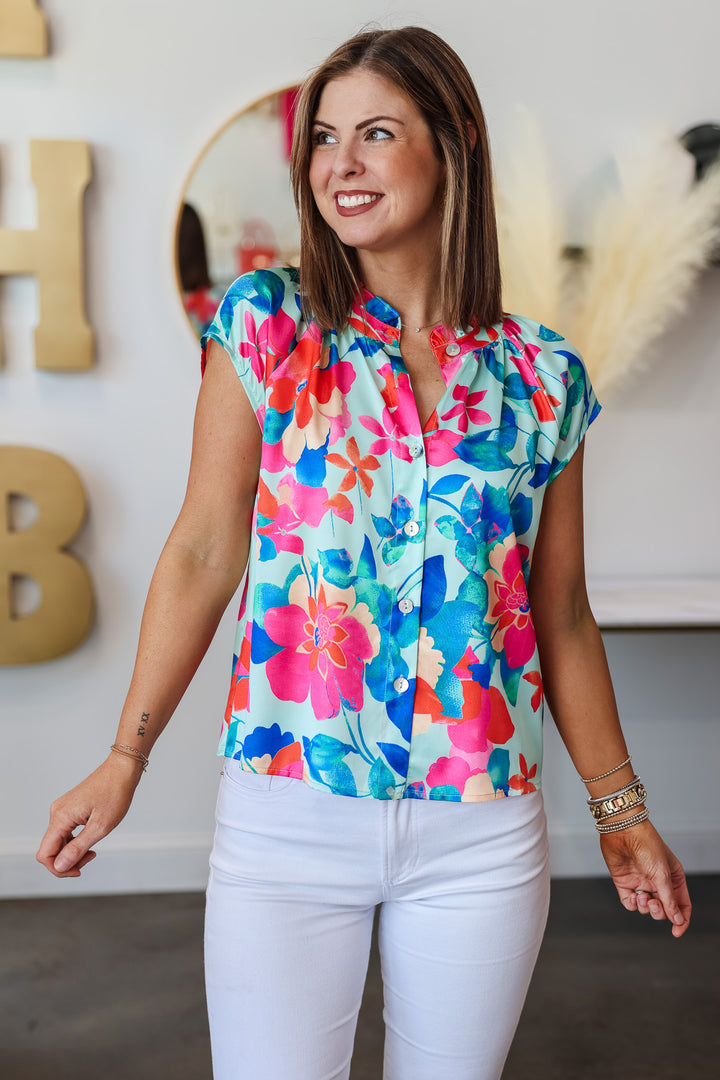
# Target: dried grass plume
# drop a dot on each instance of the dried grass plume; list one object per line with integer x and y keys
{"x": 646, "y": 243}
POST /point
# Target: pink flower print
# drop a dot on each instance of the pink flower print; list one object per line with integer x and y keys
{"x": 326, "y": 641}
{"x": 309, "y": 504}
{"x": 450, "y": 771}
{"x": 440, "y": 446}
{"x": 485, "y": 718}
{"x": 390, "y": 436}
{"x": 466, "y": 409}
{"x": 272, "y": 339}
{"x": 509, "y": 606}
{"x": 399, "y": 398}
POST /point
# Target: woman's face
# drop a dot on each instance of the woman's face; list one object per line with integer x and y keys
{"x": 374, "y": 172}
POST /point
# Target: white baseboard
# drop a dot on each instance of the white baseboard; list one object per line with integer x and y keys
{"x": 155, "y": 864}
{"x": 577, "y": 854}
{"x": 180, "y": 864}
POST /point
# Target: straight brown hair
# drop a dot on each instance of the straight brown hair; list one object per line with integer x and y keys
{"x": 433, "y": 76}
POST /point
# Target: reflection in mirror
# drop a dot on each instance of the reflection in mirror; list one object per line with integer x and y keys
{"x": 237, "y": 212}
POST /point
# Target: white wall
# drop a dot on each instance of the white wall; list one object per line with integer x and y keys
{"x": 147, "y": 84}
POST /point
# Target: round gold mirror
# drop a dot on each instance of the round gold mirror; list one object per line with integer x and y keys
{"x": 237, "y": 212}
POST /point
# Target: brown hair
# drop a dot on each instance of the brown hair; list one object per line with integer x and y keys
{"x": 192, "y": 256}
{"x": 433, "y": 76}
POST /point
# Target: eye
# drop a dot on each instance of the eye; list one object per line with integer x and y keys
{"x": 323, "y": 138}
{"x": 378, "y": 134}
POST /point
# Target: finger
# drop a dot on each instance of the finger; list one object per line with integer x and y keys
{"x": 656, "y": 908}
{"x": 681, "y": 919}
{"x": 672, "y": 893}
{"x": 663, "y": 903}
{"x": 643, "y": 902}
{"x": 51, "y": 843}
{"x": 72, "y": 856}
{"x": 49, "y": 863}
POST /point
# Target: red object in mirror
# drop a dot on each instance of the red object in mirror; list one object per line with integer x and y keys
{"x": 257, "y": 249}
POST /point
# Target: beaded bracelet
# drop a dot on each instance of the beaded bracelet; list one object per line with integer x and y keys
{"x": 594, "y": 779}
{"x": 618, "y": 826}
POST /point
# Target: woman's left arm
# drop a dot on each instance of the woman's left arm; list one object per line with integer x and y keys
{"x": 578, "y": 689}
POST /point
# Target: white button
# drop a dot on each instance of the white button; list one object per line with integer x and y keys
{"x": 406, "y": 605}
{"x": 416, "y": 450}
{"x": 401, "y": 685}
{"x": 411, "y": 529}
{"x": 452, "y": 349}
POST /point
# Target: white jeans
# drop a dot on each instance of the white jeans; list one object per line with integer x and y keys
{"x": 295, "y": 877}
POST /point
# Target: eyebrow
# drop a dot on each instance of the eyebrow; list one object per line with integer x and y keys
{"x": 363, "y": 124}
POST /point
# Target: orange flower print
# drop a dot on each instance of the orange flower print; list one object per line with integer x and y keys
{"x": 535, "y": 679}
{"x": 357, "y": 467}
{"x": 522, "y": 781}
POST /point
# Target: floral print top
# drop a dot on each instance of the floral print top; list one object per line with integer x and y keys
{"x": 385, "y": 644}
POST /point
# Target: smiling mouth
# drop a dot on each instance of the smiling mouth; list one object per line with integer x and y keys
{"x": 349, "y": 202}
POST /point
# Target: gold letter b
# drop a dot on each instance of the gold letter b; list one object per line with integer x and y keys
{"x": 64, "y": 618}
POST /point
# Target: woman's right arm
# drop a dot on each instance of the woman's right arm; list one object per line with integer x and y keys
{"x": 198, "y": 571}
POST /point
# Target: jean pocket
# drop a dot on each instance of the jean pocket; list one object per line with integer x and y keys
{"x": 252, "y": 783}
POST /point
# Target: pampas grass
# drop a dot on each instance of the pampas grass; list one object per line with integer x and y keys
{"x": 531, "y": 227}
{"x": 647, "y": 242}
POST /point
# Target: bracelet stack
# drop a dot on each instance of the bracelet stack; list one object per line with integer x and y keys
{"x": 132, "y": 752}
{"x": 630, "y": 797}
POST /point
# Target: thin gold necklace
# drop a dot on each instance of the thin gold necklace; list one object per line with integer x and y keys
{"x": 419, "y": 328}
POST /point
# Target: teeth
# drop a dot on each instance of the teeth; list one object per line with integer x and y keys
{"x": 348, "y": 201}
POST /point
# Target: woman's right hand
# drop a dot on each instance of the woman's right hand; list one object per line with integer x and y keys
{"x": 98, "y": 803}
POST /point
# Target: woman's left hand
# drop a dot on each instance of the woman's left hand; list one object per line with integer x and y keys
{"x": 647, "y": 876}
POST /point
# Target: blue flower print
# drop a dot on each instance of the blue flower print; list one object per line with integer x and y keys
{"x": 394, "y": 532}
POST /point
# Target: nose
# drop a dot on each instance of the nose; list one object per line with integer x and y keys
{"x": 346, "y": 161}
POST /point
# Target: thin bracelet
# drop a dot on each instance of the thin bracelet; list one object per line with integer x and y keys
{"x": 618, "y": 826}
{"x": 602, "y": 776}
{"x": 130, "y": 751}
{"x": 614, "y": 794}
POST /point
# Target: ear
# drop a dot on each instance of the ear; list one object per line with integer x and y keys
{"x": 472, "y": 134}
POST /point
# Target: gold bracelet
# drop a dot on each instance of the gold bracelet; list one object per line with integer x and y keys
{"x": 618, "y": 826}
{"x": 620, "y": 810}
{"x": 131, "y": 751}
{"x": 602, "y": 776}
{"x": 613, "y": 804}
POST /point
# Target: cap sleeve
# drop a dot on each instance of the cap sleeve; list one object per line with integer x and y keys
{"x": 581, "y": 407}
{"x": 237, "y": 327}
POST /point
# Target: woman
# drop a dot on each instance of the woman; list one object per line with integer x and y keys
{"x": 393, "y": 455}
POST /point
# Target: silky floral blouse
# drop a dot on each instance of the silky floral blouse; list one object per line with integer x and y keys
{"x": 385, "y": 645}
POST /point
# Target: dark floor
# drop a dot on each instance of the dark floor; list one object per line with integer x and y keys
{"x": 111, "y": 989}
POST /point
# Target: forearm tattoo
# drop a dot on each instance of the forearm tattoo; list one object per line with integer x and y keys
{"x": 144, "y": 721}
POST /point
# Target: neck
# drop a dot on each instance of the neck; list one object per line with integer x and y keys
{"x": 410, "y": 285}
